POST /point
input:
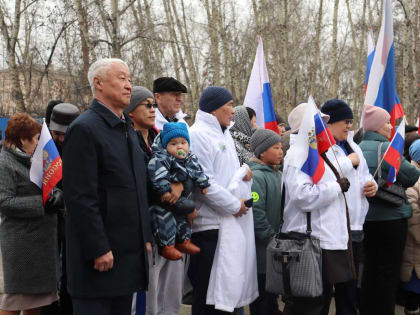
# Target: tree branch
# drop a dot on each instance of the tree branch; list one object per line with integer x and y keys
{"x": 27, "y": 6}
{"x": 121, "y": 12}
{"x": 405, "y": 11}
{"x": 102, "y": 41}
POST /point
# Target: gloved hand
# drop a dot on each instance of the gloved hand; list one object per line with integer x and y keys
{"x": 344, "y": 184}
{"x": 55, "y": 201}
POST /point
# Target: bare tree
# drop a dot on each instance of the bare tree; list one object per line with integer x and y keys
{"x": 11, "y": 35}
{"x": 334, "y": 54}
{"x": 314, "y": 66}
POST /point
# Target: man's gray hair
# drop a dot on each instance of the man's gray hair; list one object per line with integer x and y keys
{"x": 99, "y": 68}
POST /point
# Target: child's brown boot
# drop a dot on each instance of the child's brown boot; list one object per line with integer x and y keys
{"x": 171, "y": 253}
{"x": 188, "y": 247}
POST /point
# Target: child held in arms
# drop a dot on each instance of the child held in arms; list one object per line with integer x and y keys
{"x": 172, "y": 162}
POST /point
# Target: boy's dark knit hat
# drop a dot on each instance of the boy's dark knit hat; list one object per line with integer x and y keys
{"x": 214, "y": 97}
{"x": 262, "y": 139}
{"x": 337, "y": 110}
{"x": 174, "y": 130}
{"x": 138, "y": 95}
{"x": 168, "y": 84}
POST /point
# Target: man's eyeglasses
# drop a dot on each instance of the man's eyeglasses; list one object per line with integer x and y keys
{"x": 149, "y": 105}
{"x": 349, "y": 121}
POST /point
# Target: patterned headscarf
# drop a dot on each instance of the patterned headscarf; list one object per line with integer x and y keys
{"x": 242, "y": 121}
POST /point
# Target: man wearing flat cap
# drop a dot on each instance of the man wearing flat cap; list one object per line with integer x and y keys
{"x": 168, "y": 95}
{"x": 59, "y": 116}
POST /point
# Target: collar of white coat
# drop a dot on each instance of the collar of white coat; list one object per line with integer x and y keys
{"x": 210, "y": 120}
{"x": 160, "y": 117}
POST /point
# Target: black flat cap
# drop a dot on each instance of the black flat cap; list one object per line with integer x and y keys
{"x": 50, "y": 106}
{"x": 168, "y": 84}
{"x": 62, "y": 116}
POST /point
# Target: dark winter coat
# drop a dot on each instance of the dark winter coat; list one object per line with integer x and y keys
{"x": 104, "y": 180}
{"x": 28, "y": 235}
{"x": 153, "y": 132}
{"x": 408, "y": 175}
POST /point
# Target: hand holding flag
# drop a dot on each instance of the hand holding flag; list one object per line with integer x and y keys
{"x": 46, "y": 168}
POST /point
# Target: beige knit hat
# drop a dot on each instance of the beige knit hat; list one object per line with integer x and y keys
{"x": 374, "y": 118}
{"x": 296, "y": 116}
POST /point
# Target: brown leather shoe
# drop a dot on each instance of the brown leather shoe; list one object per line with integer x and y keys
{"x": 171, "y": 253}
{"x": 188, "y": 247}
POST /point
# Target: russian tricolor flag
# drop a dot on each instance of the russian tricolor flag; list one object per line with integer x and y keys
{"x": 393, "y": 154}
{"x": 258, "y": 94}
{"x": 46, "y": 168}
{"x": 313, "y": 139}
{"x": 381, "y": 88}
{"x": 324, "y": 137}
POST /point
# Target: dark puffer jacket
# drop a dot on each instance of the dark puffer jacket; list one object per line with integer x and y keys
{"x": 28, "y": 235}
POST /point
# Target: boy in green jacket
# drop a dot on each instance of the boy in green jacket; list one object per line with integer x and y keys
{"x": 266, "y": 193}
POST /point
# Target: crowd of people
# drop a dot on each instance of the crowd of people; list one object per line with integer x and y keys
{"x": 135, "y": 225}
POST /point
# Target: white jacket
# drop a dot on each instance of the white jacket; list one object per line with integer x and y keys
{"x": 324, "y": 200}
{"x": 160, "y": 120}
{"x": 358, "y": 177}
{"x": 233, "y": 280}
{"x": 216, "y": 154}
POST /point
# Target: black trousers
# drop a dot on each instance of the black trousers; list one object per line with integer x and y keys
{"x": 310, "y": 306}
{"x": 345, "y": 293}
{"x": 266, "y": 303}
{"x": 64, "y": 305}
{"x": 383, "y": 246}
{"x": 412, "y": 301}
{"x": 119, "y": 305}
{"x": 200, "y": 269}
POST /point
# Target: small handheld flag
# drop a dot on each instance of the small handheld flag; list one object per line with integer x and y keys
{"x": 46, "y": 168}
{"x": 324, "y": 137}
{"x": 313, "y": 139}
{"x": 394, "y": 153}
{"x": 258, "y": 94}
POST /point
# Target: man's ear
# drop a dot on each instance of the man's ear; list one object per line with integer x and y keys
{"x": 157, "y": 97}
{"x": 97, "y": 82}
{"x": 130, "y": 115}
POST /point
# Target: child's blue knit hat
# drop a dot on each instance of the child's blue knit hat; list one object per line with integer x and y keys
{"x": 415, "y": 150}
{"x": 174, "y": 130}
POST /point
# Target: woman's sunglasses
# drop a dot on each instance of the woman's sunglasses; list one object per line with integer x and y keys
{"x": 150, "y": 105}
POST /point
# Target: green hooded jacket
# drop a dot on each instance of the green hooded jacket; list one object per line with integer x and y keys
{"x": 266, "y": 193}
{"x": 408, "y": 175}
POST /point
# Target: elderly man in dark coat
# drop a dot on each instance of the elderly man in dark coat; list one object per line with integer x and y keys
{"x": 108, "y": 226}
